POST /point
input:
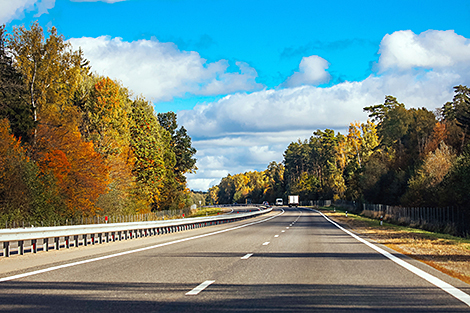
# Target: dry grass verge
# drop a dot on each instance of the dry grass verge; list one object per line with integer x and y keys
{"x": 446, "y": 253}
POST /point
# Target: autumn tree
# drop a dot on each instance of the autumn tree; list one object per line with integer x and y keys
{"x": 404, "y": 135}
{"x": 148, "y": 145}
{"x": 26, "y": 194}
{"x": 226, "y": 190}
{"x": 49, "y": 67}
{"x": 81, "y": 172}
{"x": 454, "y": 188}
{"x": 13, "y": 95}
{"x": 423, "y": 186}
{"x": 274, "y": 176}
{"x": 180, "y": 144}
{"x": 456, "y": 114}
{"x": 179, "y": 160}
{"x": 212, "y": 195}
{"x": 353, "y": 152}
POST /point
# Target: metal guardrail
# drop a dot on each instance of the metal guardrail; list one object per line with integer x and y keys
{"x": 101, "y": 233}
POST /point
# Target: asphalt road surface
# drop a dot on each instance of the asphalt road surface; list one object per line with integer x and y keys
{"x": 290, "y": 260}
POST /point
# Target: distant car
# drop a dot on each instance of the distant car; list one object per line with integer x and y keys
{"x": 266, "y": 203}
{"x": 279, "y": 201}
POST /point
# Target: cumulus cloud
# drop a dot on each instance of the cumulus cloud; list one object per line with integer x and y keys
{"x": 216, "y": 161}
{"x": 10, "y": 10}
{"x": 312, "y": 71}
{"x": 160, "y": 71}
{"x": 251, "y": 129}
{"x": 404, "y": 50}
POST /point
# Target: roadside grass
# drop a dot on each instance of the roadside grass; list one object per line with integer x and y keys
{"x": 205, "y": 212}
{"x": 444, "y": 252}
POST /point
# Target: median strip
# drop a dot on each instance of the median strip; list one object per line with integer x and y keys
{"x": 200, "y": 288}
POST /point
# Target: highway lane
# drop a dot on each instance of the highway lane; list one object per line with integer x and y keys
{"x": 296, "y": 262}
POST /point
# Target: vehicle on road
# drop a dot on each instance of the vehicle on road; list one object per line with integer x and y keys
{"x": 293, "y": 200}
{"x": 279, "y": 201}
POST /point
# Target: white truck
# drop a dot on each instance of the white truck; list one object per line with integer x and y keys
{"x": 293, "y": 200}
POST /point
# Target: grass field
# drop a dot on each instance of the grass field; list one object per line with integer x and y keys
{"x": 205, "y": 212}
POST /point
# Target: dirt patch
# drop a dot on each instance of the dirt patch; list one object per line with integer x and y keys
{"x": 448, "y": 254}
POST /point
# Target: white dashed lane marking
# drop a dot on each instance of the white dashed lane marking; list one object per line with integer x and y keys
{"x": 200, "y": 288}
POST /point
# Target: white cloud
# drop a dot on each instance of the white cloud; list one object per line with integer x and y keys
{"x": 10, "y": 10}
{"x": 312, "y": 71}
{"x": 44, "y": 6}
{"x": 160, "y": 71}
{"x": 297, "y": 108}
{"x": 404, "y": 50}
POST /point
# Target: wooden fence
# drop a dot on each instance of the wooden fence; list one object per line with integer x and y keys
{"x": 450, "y": 220}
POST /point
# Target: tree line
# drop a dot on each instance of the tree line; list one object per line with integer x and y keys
{"x": 74, "y": 143}
{"x": 400, "y": 156}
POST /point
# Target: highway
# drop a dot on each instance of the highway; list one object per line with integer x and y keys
{"x": 290, "y": 260}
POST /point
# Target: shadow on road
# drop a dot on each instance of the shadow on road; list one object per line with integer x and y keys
{"x": 164, "y": 297}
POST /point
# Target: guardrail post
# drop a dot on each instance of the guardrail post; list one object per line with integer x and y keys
{"x": 85, "y": 240}
{"x": 45, "y": 244}
{"x": 21, "y": 247}
{"x": 75, "y": 241}
{"x": 56, "y": 243}
{"x": 67, "y": 242}
{"x": 100, "y": 238}
{"x": 6, "y": 249}
{"x": 34, "y": 246}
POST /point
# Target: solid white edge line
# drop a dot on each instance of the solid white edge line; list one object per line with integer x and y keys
{"x": 49, "y": 269}
{"x": 455, "y": 292}
{"x": 200, "y": 288}
{"x": 246, "y": 256}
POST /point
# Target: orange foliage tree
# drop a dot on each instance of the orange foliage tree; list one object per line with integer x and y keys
{"x": 81, "y": 172}
{"x": 25, "y": 193}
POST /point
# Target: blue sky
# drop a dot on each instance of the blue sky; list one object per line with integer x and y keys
{"x": 248, "y": 77}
